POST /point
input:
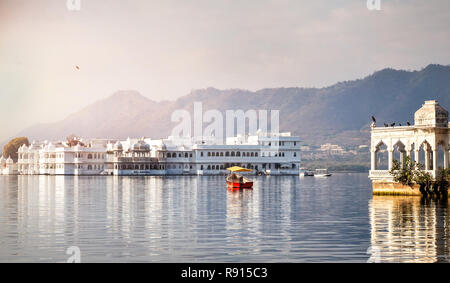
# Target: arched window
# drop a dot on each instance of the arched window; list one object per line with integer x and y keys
{"x": 256, "y": 154}
{"x": 209, "y": 167}
{"x": 221, "y": 154}
{"x": 201, "y": 154}
{"x": 89, "y": 167}
{"x": 209, "y": 153}
{"x": 217, "y": 154}
{"x": 227, "y": 153}
{"x": 295, "y": 154}
{"x": 213, "y": 154}
{"x": 214, "y": 167}
{"x": 201, "y": 167}
{"x": 89, "y": 156}
{"x": 238, "y": 153}
{"x": 186, "y": 155}
{"x": 252, "y": 154}
{"x": 232, "y": 153}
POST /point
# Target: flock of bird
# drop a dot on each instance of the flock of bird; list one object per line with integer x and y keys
{"x": 392, "y": 124}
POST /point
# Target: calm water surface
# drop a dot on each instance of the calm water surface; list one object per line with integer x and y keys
{"x": 195, "y": 219}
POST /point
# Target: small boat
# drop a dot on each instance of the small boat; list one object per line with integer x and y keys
{"x": 306, "y": 173}
{"x": 322, "y": 173}
{"x": 236, "y": 181}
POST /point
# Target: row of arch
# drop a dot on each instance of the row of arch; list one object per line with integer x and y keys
{"x": 431, "y": 157}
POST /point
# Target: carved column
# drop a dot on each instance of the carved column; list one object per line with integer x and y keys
{"x": 402, "y": 159}
{"x": 390, "y": 158}
{"x": 446, "y": 152}
{"x": 427, "y": 159}
{"x": 373, "y": 160}
{"x": 435, "y": 159}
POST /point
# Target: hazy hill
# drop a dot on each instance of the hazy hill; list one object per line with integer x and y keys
{"x": 339, "y": 113}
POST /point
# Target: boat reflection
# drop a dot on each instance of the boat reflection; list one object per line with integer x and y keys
{"x": 409, "y": 229}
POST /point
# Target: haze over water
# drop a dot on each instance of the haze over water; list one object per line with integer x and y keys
{"x": 195, "y": 219}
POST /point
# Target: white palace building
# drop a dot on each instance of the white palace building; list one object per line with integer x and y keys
{"x": 265, "y": 153}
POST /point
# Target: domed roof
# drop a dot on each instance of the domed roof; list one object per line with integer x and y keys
{"x": 141, "y": 146}
{"x": 432, "y": 115}
{"x": 118, "y": 146}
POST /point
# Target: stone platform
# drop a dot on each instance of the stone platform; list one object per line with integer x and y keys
{"x": 390, "y": 188}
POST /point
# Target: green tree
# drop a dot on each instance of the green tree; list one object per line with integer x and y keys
{"x": 10, "y": 149}
{"x": 412, "y": 173}
{"x": 404, "y": 174}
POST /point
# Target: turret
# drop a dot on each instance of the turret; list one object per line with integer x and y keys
{"x": 431, "y": 114}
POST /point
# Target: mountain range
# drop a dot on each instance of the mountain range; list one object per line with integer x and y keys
{"x": 337, "y": 114}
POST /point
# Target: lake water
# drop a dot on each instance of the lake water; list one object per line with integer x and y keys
{"x": 195, "y": 219}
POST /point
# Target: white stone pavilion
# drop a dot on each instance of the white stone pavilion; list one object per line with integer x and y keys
{"x": 427, "y": 142}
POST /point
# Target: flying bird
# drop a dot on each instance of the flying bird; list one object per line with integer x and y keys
{"x": 374, "y": 120}
{"x": 409, "y": 124}
{"x": 393, "y": 124}
{"x": 399, "y": 124}
{"x": 77, "y": 67}
{"x": 386, "y": 125}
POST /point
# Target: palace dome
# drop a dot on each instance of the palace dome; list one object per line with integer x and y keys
{"x": 118, "y": 146}
{"x": 141, "y": 146}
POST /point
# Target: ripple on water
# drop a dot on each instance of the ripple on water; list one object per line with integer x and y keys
{"x": 194, "y": 219}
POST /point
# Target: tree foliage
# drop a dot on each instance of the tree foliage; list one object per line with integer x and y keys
{"x": 11, "y": 148}
{"x": 73, "y": 140}
{"x": 412, "y": 173}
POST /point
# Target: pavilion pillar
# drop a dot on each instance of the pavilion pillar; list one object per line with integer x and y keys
{"x": 435, "y": 159}
{"x": 402, "y": 159}
{"x": 446, "y": 152}
{"x": 416, "y": 155}
{"x": 390, "y": 158}
{"x": 427, "y": 159}
{"x": 373, "y": 160}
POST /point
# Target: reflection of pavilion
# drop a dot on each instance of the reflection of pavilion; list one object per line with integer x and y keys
{"x": 404, "y": 230}
{"x": 427, "y": 142}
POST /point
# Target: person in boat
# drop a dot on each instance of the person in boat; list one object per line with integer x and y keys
{"x": 233, "y": 178}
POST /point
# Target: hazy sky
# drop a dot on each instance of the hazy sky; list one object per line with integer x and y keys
{"x": 166, "y": 48}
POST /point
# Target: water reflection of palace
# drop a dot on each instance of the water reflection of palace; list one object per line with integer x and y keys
{"x": 405, "y": 229}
